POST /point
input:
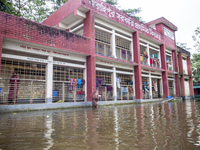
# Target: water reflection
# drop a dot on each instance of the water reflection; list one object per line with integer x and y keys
{"x": 148, "y": 126}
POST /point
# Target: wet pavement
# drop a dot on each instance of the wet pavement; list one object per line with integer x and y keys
{"x": 161, "y": 126}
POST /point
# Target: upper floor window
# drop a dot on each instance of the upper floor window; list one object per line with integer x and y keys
{"x": 185, "y": 69}
{"x": 103, "y": 43}
{"x": 123, "y": 49}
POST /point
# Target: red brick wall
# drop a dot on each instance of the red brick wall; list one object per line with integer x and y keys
{"x": 29, "y": 31}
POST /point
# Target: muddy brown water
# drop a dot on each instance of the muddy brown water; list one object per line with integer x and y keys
{"x": 160, "y": 126}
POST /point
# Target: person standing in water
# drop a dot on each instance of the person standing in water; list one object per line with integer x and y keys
{"x": 14, "y": 86}
{"x": 96, "y": 97}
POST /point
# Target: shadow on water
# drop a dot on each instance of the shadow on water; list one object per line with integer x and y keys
{"x": 171, "y": 125}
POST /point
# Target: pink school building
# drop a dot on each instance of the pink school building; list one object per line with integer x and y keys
{"x": 88, "y": 45}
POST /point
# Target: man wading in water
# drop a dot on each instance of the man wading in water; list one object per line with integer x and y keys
{"x": 96, "y": 97}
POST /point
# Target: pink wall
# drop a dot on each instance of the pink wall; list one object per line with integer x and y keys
{"x": 29, "y": 31}
{"x": 66, "y": 9}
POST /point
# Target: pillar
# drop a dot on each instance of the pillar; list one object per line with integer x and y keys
{"x": 113, "y": 44}
{"x": 137, "y": 69}
{"x": 190, "y": 74}
{"x": 180, "y": 65}
{"x": 177, "y": 85}
{"x": 175, "y": 68}
{"x": 89, "y": 31}
{"x": 164, "y": 73}
{"x": 49, "y": 80}
{"x": 91, "y": 76}
{"x": 1, "y": 47}
{"x": 114, "y": 84}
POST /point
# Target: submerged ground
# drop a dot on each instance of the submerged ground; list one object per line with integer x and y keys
{"x": 171, "y": 125}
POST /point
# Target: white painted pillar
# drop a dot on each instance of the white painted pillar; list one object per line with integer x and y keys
{"x": 133, "y": 86}
{"x": 113, "y": 44}
{"x": 132, "y": 51}
{"x": 150, "y": 86}
{"x": 49, "y": 79}
{"x": 114, "y": 84}
{"x": 148, "y": 61}
{"x": 85, "y": 78}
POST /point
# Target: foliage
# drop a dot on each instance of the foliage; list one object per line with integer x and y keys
{"x": 130, "y": 12}
{"x": 112, "y": 2}
{"x": 195, "y": 61}
{"x": 133, "y": 12}
{"x": 196, "y": 38}
{"x": 183, "y": 45}
{"x": 36, "y": 10}
{"x": 7, "y": 6}
{"x": 56, "y": 4}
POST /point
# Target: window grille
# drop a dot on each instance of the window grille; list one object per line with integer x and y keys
{"x": 125, "y": 83}
{"x": 26, "y": 70}
{"x": 145, "y": 88}
{"x": 155, "y": 82}
{"x": 106, "y": 76}
{"x": 103, "y": 89}
{"x": 125, "y": 79}
{"x": 103, "y": 43}
{"x": 30, "y": 87}
{"x": 154, "y": 58}
{"x": 63, "y": 89}
{"x": 171, "y": 88}
{"x": 123, "y": 49}
{"x": 142, "y": 58}
{"x": 102, "y": 36}
{"x": 169, "y": 63}
{"x": 62, "y": 73}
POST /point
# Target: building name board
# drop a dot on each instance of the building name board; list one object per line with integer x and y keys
{"x": 100, "y": 6}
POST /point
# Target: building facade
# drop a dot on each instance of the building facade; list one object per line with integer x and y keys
{"x": 88, "y": 45}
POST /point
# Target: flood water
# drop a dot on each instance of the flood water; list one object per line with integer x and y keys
{"x": 161, "y": 126}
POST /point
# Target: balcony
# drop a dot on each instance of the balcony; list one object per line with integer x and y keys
{"x": 103, "y": 43}
{"x": 169, "y": 63}
{"x": 103, "y": 49}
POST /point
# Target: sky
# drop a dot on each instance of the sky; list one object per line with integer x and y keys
{"x": 185, "y": 14}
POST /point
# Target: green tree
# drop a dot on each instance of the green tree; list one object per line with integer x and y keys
{"x": 183, "y": 45}
{"x": 56, "y": 4}
{"x": 195, "y": 61}
{"x": 112, "y": 2}
{"x": 7, "y": 7}
{"x": 36, "y": 10}
{"x": 131, "y": 12}
{"x": 196, "y": 38}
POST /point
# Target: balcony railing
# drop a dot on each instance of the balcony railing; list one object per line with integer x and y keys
{"x": 103, "y": 49}
{"x": 123, "y": 54}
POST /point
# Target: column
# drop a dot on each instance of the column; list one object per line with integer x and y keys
{"x": 150, "y": 87}
{"x": 137, "y": 69}
{"x": 113, "y": 44}
{"x": 190, "y": 74}
{"x": 91, "y": 76}
{"x": 174, "y": 60}
{"x": 49, "y": 79}
{"x": 148, "y": 60}
{"x": 177, "y": 88}
{"x": 114, "y": 84}
{"x": 1, "y": 47}
{"x": 89, "y": 31}
{"x": 180, "y": 65}
{"x": 165, "y": 83}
